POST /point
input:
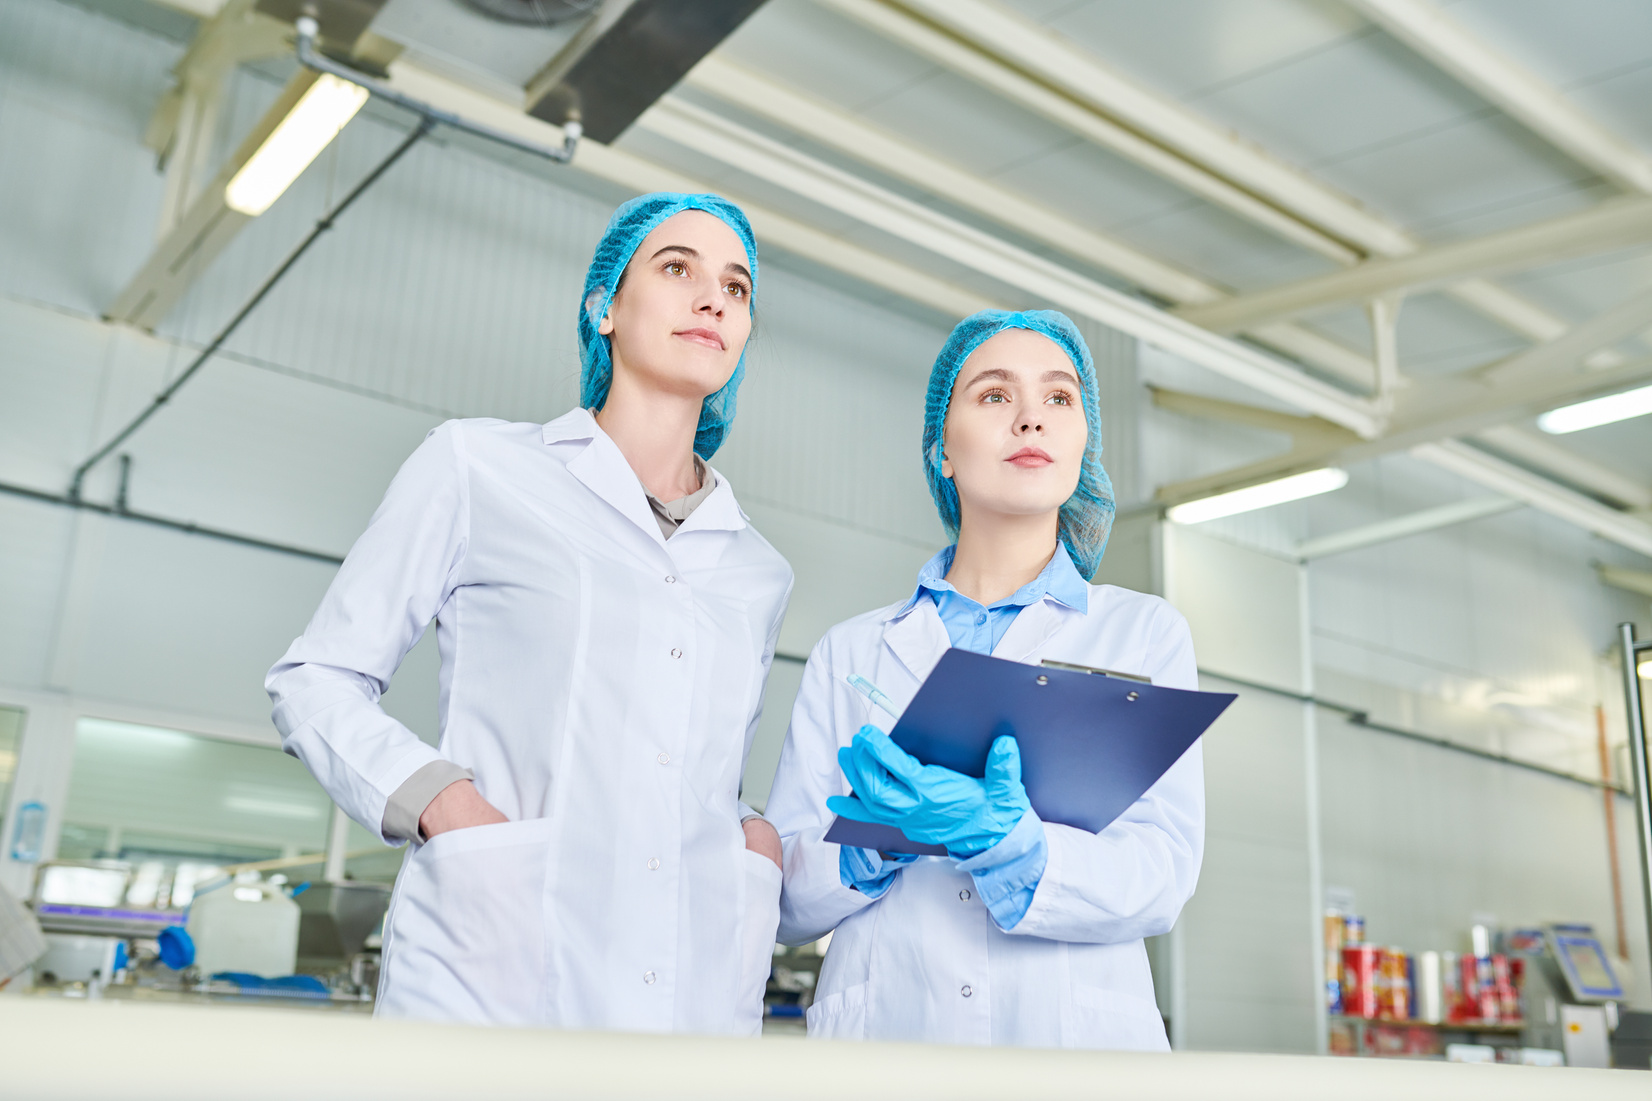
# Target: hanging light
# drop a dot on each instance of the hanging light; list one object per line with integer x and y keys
{"x": 297, "y": 140}
{"x": 1251, "y": 498}
{"x": 1597, "y": 411}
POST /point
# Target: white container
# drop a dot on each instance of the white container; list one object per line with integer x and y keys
{"x": 1430, "y": 991}
{"x": 247, "y": 927}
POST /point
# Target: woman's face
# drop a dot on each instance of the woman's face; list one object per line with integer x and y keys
{"x": 1015, "y": 431}
{"x": 683, "y": 311}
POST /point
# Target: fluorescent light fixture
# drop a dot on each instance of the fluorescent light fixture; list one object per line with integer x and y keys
{"x": 297, "y": 140}
{"x": 1598, "y": 411}
{"x": 1645, "y": 669}
{"x": 1251, "y": 498}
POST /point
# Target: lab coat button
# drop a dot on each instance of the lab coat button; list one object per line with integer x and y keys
{"x": 664, "y": 758}
{"x": 653, "y": 863}
{"x": 676, "y": 653}
{"x": 966, "y": 991}
{"x": 669, "y": 580}
{"x": 648, "y": 977}
{"x": 963, "y": 896}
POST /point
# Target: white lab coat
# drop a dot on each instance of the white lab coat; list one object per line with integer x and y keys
{"x": 926, "y": 961}
{"x": 604, "y": 684}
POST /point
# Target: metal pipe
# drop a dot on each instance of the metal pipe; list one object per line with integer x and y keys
{"x": 311, "y": 58}
{"x": 1637, "y": 761}
{"x": 166, "y": 522}
{"x": 322, "y": 226}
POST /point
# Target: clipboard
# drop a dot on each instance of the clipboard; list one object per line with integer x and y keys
{"x": 1091, "y": 745}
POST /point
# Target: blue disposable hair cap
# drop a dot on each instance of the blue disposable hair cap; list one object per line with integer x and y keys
{"x": 1087, "y": 517}
{"x": 626, "y": 229}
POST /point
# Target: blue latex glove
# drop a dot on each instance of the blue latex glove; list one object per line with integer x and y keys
{"x": 927, "y": 802}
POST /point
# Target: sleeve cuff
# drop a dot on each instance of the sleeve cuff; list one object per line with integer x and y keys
{"x": 1007, "y": 875}
{"x": 868, "y": 872}
{"x": 408, "y": 802}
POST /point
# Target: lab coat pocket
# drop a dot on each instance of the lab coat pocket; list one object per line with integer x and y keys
{"x": 762, "y": 922}
{"x": 840, "y": 1016}
{"x": 466, "y": 940}
{"x": 1111, "y": 1020}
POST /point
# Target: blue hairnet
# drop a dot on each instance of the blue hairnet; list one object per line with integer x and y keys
{"x": 1087, "y": 517}
{"x": 626, "y": 229}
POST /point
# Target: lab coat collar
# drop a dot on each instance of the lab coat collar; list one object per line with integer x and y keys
{"x": 603, "y": 468}
{"x": 917, "y": 636}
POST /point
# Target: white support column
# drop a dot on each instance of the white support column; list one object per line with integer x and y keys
{"x": 1384, "y": 312}
{"x": 1249, "y": 956}
{"x": 338, "y": 838}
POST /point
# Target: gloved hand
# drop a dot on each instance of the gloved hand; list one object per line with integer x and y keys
{"x": 927, "y": 802}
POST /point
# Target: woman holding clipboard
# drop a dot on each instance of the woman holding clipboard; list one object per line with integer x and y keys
{"x": 1027, "y": 932}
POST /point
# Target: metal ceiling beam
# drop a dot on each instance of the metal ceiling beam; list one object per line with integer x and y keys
{"x": 1538, "y": 492}
{"x": 1633, "y": 581}
{"x": 949, "y": 52}
{"x": 711, "y": 135}
{"x": 640, "y": 175}
{"x": 1044, "y": 72}
{"x": 206, "y": 227}
{"x": 1536, "y": 449}
{"x": 835, "y": 129}
{"x": 1622, "y": 321}
{"x": 1056, "y": 61}
{"x": 1442, "y": 410}
{"x": 1401, "y": 527}
{"x": 1512, "y": 88}
{"x": 1611, "y": 225}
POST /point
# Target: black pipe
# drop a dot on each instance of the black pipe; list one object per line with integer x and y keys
{"x": 322, "y": 226}
{"x": 120, "y": 512}
{"x": 1359, "y": 717}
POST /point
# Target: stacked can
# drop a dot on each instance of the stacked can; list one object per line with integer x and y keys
{"x": 1359, "y": 980}
{"x": 1393, "y": 985}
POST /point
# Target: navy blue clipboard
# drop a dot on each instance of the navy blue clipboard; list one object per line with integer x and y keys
{"x": 1091, "y": 744}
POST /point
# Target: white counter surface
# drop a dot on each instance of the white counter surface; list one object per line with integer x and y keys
{"x": 115, "y": 1051}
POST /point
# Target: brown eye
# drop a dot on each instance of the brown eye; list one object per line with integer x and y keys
{"x": 675, "y": 267}
{"x": 737, "y": 289}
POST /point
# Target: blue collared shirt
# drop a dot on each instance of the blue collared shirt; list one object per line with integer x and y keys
{"x": 978, "y": 628}
{"x": 1006, "y": 875}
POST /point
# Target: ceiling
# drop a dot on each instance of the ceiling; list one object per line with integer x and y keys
{"x": 1145, "y": 161}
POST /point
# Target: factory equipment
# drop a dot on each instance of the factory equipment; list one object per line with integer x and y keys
{"x": 335, "y": 920}
{"x": 1570, "y": 991}
{"x": 93, "y": 897}
{"x": 246, "y": 927}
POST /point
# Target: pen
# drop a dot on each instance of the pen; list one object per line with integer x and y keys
{"x": 871, "y": 692}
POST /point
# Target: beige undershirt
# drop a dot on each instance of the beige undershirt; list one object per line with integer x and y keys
{"x": 408, "y": 802}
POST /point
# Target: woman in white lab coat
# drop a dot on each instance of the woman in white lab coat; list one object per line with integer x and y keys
{"x": 1029, "y": 932}
{"x": 606, "y": 616}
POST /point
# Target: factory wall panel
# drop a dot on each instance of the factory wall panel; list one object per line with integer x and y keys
{"x": 1243, "y": 959}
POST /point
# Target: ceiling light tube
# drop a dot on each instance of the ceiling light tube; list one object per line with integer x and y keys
{"x": 1597, "y": 411}
{"x": 297, "y": 140}
{"x": 1251, "y": 498}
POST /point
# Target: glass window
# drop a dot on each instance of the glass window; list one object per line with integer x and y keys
{"x": 176, "y": 807}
